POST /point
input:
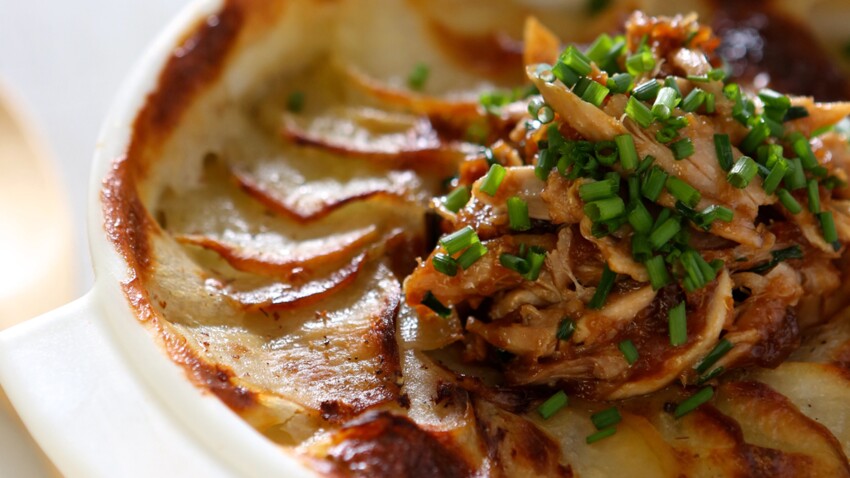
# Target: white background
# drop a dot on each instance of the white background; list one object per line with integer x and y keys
{"x": 64, "y": 60}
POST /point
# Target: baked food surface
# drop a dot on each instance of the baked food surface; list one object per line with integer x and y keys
{"x": 430, "y": 239}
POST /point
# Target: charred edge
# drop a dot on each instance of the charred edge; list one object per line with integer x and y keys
{"x": 126, "y": 220}
{"x": 384, "y": 332}
{"x": 380, "y": 444}
{"x": 214, "y": 378}
{"x": 194, "y": 65}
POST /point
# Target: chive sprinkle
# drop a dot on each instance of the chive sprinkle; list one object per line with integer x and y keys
{"x": 620, "y": 83}
{"x": 566, "y": 329}
{"x": 827, "y": 224}
{"x": 683, "y": 191}
{"x": 653, "y": 183}
{"x": 630, "y": 352}
{"x": 755, "y": 137}
{"x": 682, "y": 149}
{"x": 710, "y": 375}
{"x": 671, "y": 82}
{"x": 418, "y": 77}
{"x": 693, "y": 402}
{"x": 657, "y": 271}
{"x": 639, "y": 112}
{"x": 666, "y": 134}
{"x": 776, "y": 175}
{"x": 546, "y": 160}
{"x": 719, "y": 350}
{"x": 742, "y": 172}
{"x": 471, "y": 255}
{"x": 459, "y": 240}
{"x": 641, "y": 250}
{"x": 606, "y": 418}
{"x": 664, "y": 232}
{"x": 576, "y": 60}
{"x": 553, "y": 404}
{"x": 628, "y": 152}
{"x": 787, "y": 200}
{"x": 803, "y": 149}
{"x": 694, "y": 100}
{"x": 640, "y": 218}
{"x": 605, "y": 209}
{"x": 457, "y": 199}
{"x": 640, "y": 62}
{"x": 535, "y": 261}
{"x": 647, "y": 90}
{"x": 709, "y": 103}
{"x": 435, "y": 305}
{"x": 600, "y": 435}
{"x": 514, "y": 263}
{"x": 606, "y": 152}
{"x": 678, "y": 325}
{"x": 493, "y": 179}
{"x": 814, "y": 196}
{"x": 796, "y": 177}
{"x": 593, "y": 191}
{"x": 606, "y": 283}
{"x": 595, "y": 93}
{"x": 666, "y": 100}
{"x": 445, "y": 264}
{"x": 518, "y": 214}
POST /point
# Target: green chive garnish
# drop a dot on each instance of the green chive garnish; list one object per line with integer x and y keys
{"x": 776, "y": 175}
{"x": 459, "y": 240}
{"x": 710, "y": 375}
{"x": 742, "y": 172}
{"x": 445, "y": 264}
{"x": 682, "y": 149}
{"x": 803, "y": 149}
{"x": 606, "y": 152}
{"x": 670, "y": 82}
{"x": 640, "y": 62}
{"x": 787, "y": 200}
{"x": 647, "y": 90}
{"x": 683, "y": 191}
{"x": 796, "y": 176}
{"x": 566, "y": 329}
{"x": 565, "y": 74}
{"x": 795, "y": 112}
{"x": 546, "y": 160}
{"x": 640, "y": 218}
{"x": 639, "y": 112}
{"x": 694, "y": 100}
{"x": 654, "y": 183}
{"x": 678, "y": 324}
{"x": 606, "y": 418}
{"x": 605, "y": 209}
{"x": 518, "y": 214}
{"x": 665, "y": 135}
{"x": 295, "y": 101}
{"x": 491, "y": 182}
{"x": 641, "y": 250}
{"x": 666, "y": 100}
{"x": 596, "y": 190}
{"x": 664, "y": 232}
{"x": 471, "y": 255}
{"x": 553, "y": 405}
{"x": 712, "y": 213}
{"x": 602, "y": 434}
{"x": 755, "y": 137}
{"x": 827, "y": 224}
{"x": 418, "y": 77}
{"x": 657, "y": 271}
{"x": 620, "y": 83}
{"x": 627, "y": 347}
{"x": 814, "y": 196}
{"x": 514, "y": 263}
{"x": 576, "y": 60}
{"x": 627, "y": 151}
{"x": 595, "y": 93}
{"x": 692, "y": 403}
{"x": 535, "y": 261}
{"x": 432, "y": 303}
{"x": 606, "y": 283}
{"x": 457, "y": 199}
{"x": 709, "y": 103}
{"x": 719, "y": 350}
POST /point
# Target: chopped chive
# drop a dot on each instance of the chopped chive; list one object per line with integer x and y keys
{"x": 795, "y": 112}
{"x": 564, "y": 73}
{"x": 645, "y": 163}
{"x": 553, "y": 405}
{"x": 599, "y": 48}
{"x": 664, "y": 232}
{"x": 742, "y": 172}
{"x": 708, "y": 215}
{"x": 627, "y": 347}
{"x": 600, "y": 435}
{"x": 445, "y": 264}
{"x": 576, "y": 60}
{"x": 546, "y": 160}
{"x": 647, "y": 90}
{"x": 627, "y": 151}
{"x": 435, "y": 305}
{"x": 535, "y": 259}
{"x": 773, "y": 99}
{"x": 634, "y": 187}
{"x": 757, "y": 135}
{"x": 640, "y": 218}
{"x": 719, "y": 350}
{"x": 518, "y": 214}
{"x": 657, "y": 271}
{"x": 827, "y": 224}
{"x": 769, "y": 154}
{"x": 694, "y": 100}
{"x": 471, "y": 255}
{"x": 776, "y": 129}
{"x": 620, "y": 83}
{"x": 666, "y": 100}
{"x": 710, "y": 375}
{"x": 606, "y": 283}
{"x": 514, "y": 263}
{"x": 690, "y": 262}
{"x": 814, "y": 196}
{"x": 654, "y": 183}
{"x": 676, "y": 122}
{"x": 457, "y": 199}
{"x": 295, "y": 101}
{"x": 717, "y": 74}
{"x": 638, "y": 112}
{"x": 693, "y": 402}
{"x": 678, "y": 325}
{"x": 545, "y": 114}
{"x": 595, "y": 93}
{"x": 776, "y": 175}
{"x": 490, "y": 157}
{"x": 789, "y": 201}
{"x": 640, "y": 62}
{"x": 606, "y": 418}
{"x": 671, "y": 82}
{"x": 683, "y": 191}
{"x": 804, "y": 150}
{"x": 641, "y": 250}
{"x": 709, "y": 103}
{"x": 605, "y": 209}
{"x": 417, "y": 78}
{"x": 493, "y": 179}
{"x": 593, "y": 191}
{"x": 682, "y": 149}
{"x": 606, "y": 152}
{"x": 666, "y": 134}
{"x": 566, "y": 328}
{"x": 796, "y": 176}
{"x": 459, "y": 240}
